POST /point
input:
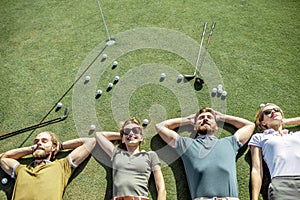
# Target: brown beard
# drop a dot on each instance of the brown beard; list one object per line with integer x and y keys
{"x": 40, "y": 154}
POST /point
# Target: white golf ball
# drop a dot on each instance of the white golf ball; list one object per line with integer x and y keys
{"x": 162, "y": 75}
{"x": 145, "y": 121}
{"x": 93, "y": 127}
{"x": 87, "y": 78}
{"x": 262, "y": 105}
{"x": 104, "y": 56}
{"x": 220, "y": 90}
{"x": 59, "y": 105}
{"x": 99, "y": 91}
{"x": 4, "y": 181}
{"x": 214, "y": 90}
{"x": 117, "y": 78}
{"x": 224, "y": 94}
{"x": 220, "y": 86}
{"x": 110, "y": 85}
{"x": 180, "y": 77}
{"x": 115, "y": 63}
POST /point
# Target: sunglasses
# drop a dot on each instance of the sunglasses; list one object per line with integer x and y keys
{"x": 134, "y": 130}
{"x": 268, "y": 111}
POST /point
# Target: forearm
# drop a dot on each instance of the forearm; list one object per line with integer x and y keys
{"x": 73, "y": 144}
{"x": 18, "y": 153}
{"x": 175, "y": 123}
{"x": 233, "y": 120}
{"x": 256, "y": 182}
{"x": 292, "y": 121}
{"x": 111, "y": 135}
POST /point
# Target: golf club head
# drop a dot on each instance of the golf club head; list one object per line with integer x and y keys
{"x": 66, "y": 113}
{"x": 198, "y": 84}
{"x": 189, "y": 77}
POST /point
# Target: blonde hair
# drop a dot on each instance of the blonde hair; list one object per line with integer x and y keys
{"x": 260, "y": 116}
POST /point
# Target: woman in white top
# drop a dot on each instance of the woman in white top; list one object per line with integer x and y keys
{"x": 280, "y": 149}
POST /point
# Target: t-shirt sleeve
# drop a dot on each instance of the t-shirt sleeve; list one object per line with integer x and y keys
{"x": 182, "y": 143}
{"x": 255, "y": 140}
{"x": 236, "y": 145}
{"x": 154, "y": 159}
{"x": 67, "y": 167}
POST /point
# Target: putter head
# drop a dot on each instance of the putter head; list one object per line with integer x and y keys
{"x": 198, "y": 84}
{"x": 189, "y": 77}
{"x": 66, "y": 113}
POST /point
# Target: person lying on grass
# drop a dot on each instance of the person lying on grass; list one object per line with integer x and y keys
{"x": 132, "y": 166}
{"x": 210, "y": 162}
{"x": 280, "y": 149}
{"x": 45, "y": 177}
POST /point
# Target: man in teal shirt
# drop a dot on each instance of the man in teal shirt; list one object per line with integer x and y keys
{"x": 209, "y": 162}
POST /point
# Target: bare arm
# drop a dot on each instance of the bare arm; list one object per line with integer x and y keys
{"x": 10, "y": 158}
{"x": 81, "y": 147}
{"x": 291, "y": 121}
{"x": 166, "y": 128}
{"x": 104, "y": 138}
{"x": 160, "y": 183}
{"x": 256, "y": 171}
{"x": 245, "y": 127}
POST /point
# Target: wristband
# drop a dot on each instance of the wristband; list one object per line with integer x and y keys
{"x": 61, "y": 145}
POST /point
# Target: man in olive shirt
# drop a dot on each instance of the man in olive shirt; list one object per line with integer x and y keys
{"x": 44, "y": 178}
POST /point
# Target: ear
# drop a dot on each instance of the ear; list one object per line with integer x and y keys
{"x": 54, "y": 149}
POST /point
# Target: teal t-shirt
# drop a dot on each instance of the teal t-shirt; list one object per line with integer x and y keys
{"x": 210, "y": 165}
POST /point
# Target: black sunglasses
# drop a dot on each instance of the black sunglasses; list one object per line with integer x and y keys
{"x": 134, "y": 130}
{"x": 268, "y": 111}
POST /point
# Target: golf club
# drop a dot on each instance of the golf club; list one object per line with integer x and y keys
{"x": 109, "y": 40}
{"x": 189, "y": 77}
{"x": 206, "y": 46}
{"x": 68, "y": 90}
{"x": 56, "y": 120}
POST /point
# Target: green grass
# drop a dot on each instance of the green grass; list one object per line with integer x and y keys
{"x": 255, "y": 47}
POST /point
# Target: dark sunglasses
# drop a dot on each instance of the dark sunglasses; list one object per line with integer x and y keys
{"x": 134, "y": 130}
{"x": 268, "y": 111}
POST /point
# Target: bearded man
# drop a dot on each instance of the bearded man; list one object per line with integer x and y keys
{"x": 45, "y": 178}
{"x": 209, "y": 162}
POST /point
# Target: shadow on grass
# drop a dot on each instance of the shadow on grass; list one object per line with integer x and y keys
{"x": 105, "y": 159}
{"x": 9, "y": 187}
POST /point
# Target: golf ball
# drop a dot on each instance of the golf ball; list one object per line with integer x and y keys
{"x": 180, "y": 77}
{"x": 214, "y": 90}
{"x": 220, "y": 87}
{"x": 224, "y": 94}
{"x": 220, "y": 90}
{"x": 93, "y": 127}
{"x": 104, "y": 56}
{"x": 145, "y": 121}
{"x": 59, "y": 105}
{"x": 115, "y": 63}
{"x": 262, "y": 105}
{"x": 87, "y": 78}
{"x": 162, "y": 75}
{"x": 117, "y": 78}
{"x": 110, "y": 85}
{"x": 4, "y": 181}
{"x": 99, "y": 91}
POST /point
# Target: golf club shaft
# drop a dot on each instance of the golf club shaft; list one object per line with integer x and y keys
{"x": 206, "y": 46}
{"x": 6, "y": 135}
{"x": 65, "y": 93}
{"x": 102, "y": 16}
{"x": 200, "y": 47}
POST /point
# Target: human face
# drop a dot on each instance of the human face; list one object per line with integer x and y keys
{"x": 206, "y": 124}
{"x": 132, "y": 134}
{"x": 43, "y": 146}
{"x": 271, "y": 115}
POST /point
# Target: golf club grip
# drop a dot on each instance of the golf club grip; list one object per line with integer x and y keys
{"x": 210, "y": 34}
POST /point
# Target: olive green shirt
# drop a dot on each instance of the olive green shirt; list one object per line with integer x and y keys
{"x": 45, "y": 181}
